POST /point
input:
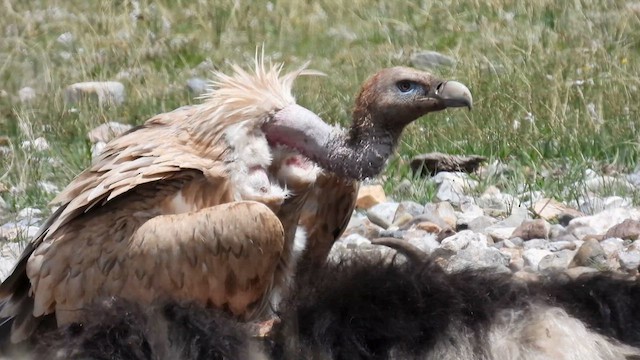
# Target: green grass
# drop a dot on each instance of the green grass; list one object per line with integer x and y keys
{"x": 517, "y": 58}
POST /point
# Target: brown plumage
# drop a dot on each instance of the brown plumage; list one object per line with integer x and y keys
{"x": 193, "y": 205}
{"x": 388, "y": 101}
{"x": 203, "y": 203}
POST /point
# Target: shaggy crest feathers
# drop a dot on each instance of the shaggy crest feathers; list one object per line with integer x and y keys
{"x": 245, "y": 95}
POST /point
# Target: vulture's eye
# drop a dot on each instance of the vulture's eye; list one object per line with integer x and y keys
{"x": 405, "y": 86}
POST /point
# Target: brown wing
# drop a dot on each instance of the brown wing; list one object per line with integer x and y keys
{"x": 326, "y": 214}
{"x": 160, "y": 158}
{"x": 223, "y": 256}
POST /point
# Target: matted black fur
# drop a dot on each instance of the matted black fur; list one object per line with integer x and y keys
{"x": 356, "y": 309}
{"x": 122, "y": 330}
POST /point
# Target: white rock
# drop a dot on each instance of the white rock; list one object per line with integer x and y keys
{"x": 431, "y": 59}
{"x": 494, "y": 199}
{"x": 9, "y": 253}
{"x": 97, "y": 149}
{"x": 66, "y": 39}
{"x": 426, "y": 243}
{"x": 629, "y": 260}
{"x": 469, "y": 212}
{"x": 499, "y": 232}
{"x": 453, "y": 187}
{"x": 107, "y": 132}
{"x": 532, "y": 257}
{"x": 463, "y": 240}
{"x": 355, "y": 240}
{"x": 606, "y": 182}
{"x": 599, "y": 223}
{"x": 197, "y": 86}
{"x": 556, "y": 261}
{"x": 26, "y": 94}
{"x": 479, "y": 258}
{"x": 382, "y": 214}
{"x": 39, "y": 144}
{"x": 29, "y": 214}
{"x": 48, "y": 187}
{"x": 612, "y": 246}
{"x": 12, "y": 231}
{"x": 107, "y": 92}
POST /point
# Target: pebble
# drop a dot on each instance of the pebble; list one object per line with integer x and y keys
{"x": 106, "y": 92}
{"x": 197, "y": 86}
{"x": 590, "y": 254}
{"x": 427, "y": 59}
{"x": 26, "y": 94}
{"x": 532, "y": 229}
{"x": 494, "y": 230}
{"x": 370, "y": 195}
{"x": 40, "y": 144}
{"x": 382, "y": 214}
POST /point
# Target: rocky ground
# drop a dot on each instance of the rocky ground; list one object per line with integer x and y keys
{"x": 526, "y": 234}
{"x": 500, "y": 232}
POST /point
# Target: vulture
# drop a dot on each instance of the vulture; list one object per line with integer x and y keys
{"x": 203, "y": 203}
{"x": 372, "y": 308}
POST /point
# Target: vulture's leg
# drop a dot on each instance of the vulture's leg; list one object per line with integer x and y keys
{"x": 223, "y": 256}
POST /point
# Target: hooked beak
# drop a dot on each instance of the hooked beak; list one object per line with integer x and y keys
{"x": 453, "y": 94}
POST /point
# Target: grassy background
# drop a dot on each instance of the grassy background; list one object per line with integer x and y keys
{"x": 522, "y": 61}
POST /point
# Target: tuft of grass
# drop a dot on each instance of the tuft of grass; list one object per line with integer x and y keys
{"x": 555, "y": 83}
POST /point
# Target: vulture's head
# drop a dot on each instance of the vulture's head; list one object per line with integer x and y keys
{"x": 394, "y": 97}
{"x": 388, "y": 101}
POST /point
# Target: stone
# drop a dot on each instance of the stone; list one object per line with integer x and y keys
{"x": 576, "y": 272}
{"x": 9, "y": 254}
{"x": 370, "y": 195}
{"x": 26, "y": 94}
{"x": 532, "y": 257}
{"x": 601, "y": 222}
{"x": 532, "y": 229}
{"x": 516, "y": 262}
{"x": 354, "y": 240}
{"x": 558, "y": 260}
{"x": 590, "y": 254}
{"x": 382, "y": 214}
{"x": 499, "y": 233}
{"x": 453, "y": 187}
{"x": 550, "y": 209}
{"x": 197, "y": 86}
{"x": 561, "y": 245}
{"x": 66, "y": 39}
{"x": 40, "y": 144}
{"x": 468, "y": 213}
{"x": 106, "y": 92}
{"x": 410, "y": 208}
{"x": 612, "y": 246}
{"x": 476, "y": 258}
{"x": 360, "y": 224}
{"x": 629, "y": 260}
{"x": 107, "y": 132}
{"x": 29, "y": 216}
{"x": 481, "y": 223}
{"x": 626, "y": 230}
{"x": 427, "y": 59}
{"x": 17, "y": 231}
{"x": 445, "y": 212}
{"x": 428, "y": 227}
{"x": 536, "y": 244}
{"x": 422, "y": 240}
{"x": 464, "y": 239}
{"x": 494, "y": 202}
